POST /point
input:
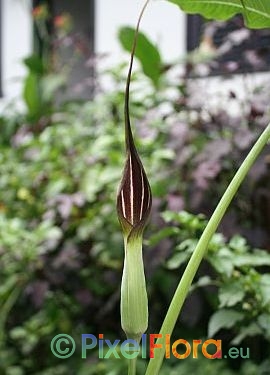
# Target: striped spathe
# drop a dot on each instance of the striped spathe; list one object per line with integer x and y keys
{"x": 134, "y": 198}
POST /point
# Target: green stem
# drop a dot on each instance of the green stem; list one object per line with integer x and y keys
{"x": 132, "y": 366}
{"x": 200, "y": 250}
{"x": 134, "y": 303}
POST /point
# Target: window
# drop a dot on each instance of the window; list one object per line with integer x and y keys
{"x": 81, "y": 11}
{"x": 194, "y": 26}
{"x": 81, "y": 39}
{"x": 238, "y": 49}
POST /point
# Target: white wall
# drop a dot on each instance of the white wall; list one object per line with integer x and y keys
{"x": 16, "y": 44}
{"x": 163, "y": 22}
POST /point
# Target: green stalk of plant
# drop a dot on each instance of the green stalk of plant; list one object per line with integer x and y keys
{"x": 201, "y": 249}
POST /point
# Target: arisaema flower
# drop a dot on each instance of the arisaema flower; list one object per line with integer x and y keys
{"x": 134, "y": 196}
{"x": 133, "y": 207}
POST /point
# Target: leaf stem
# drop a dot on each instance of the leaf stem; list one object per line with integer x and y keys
{"x": 200, "y": 250}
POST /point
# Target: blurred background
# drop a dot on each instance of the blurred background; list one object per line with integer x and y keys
{"x": 199, "y": 99}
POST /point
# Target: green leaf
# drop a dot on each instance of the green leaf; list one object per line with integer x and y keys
{"x": 238, "y": 244}
{"x": 231, "y": 294}
{"x": 256, "y": 12}
{"x": 224, "y": 318}
{"x": 32, "y": 95}
{"x": 163, "y": 154}
{"x": 146, "y": 53}
{"x": 193, "y": 222}
{"x": 222, "y": 261}
{"x": 252, "y": 330}
{"x": 255, "y": 259}
{"x": 168, "y": 232}
{"x": 202, "y": 282}
{"x": 34, "y": 64}
{"x": 15, "y": 370}
{"x": 264, "y": 287}
{"x": 177, "y": 260}
{"x": 264, "y": 323}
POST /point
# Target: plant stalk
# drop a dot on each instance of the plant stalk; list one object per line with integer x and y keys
{"x": 200, "y": 250}
{"x": 132, "y": 366}
{"x": 134, "y": 303}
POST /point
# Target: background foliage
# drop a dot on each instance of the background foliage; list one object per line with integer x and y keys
{"x": 60, "y": 243}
